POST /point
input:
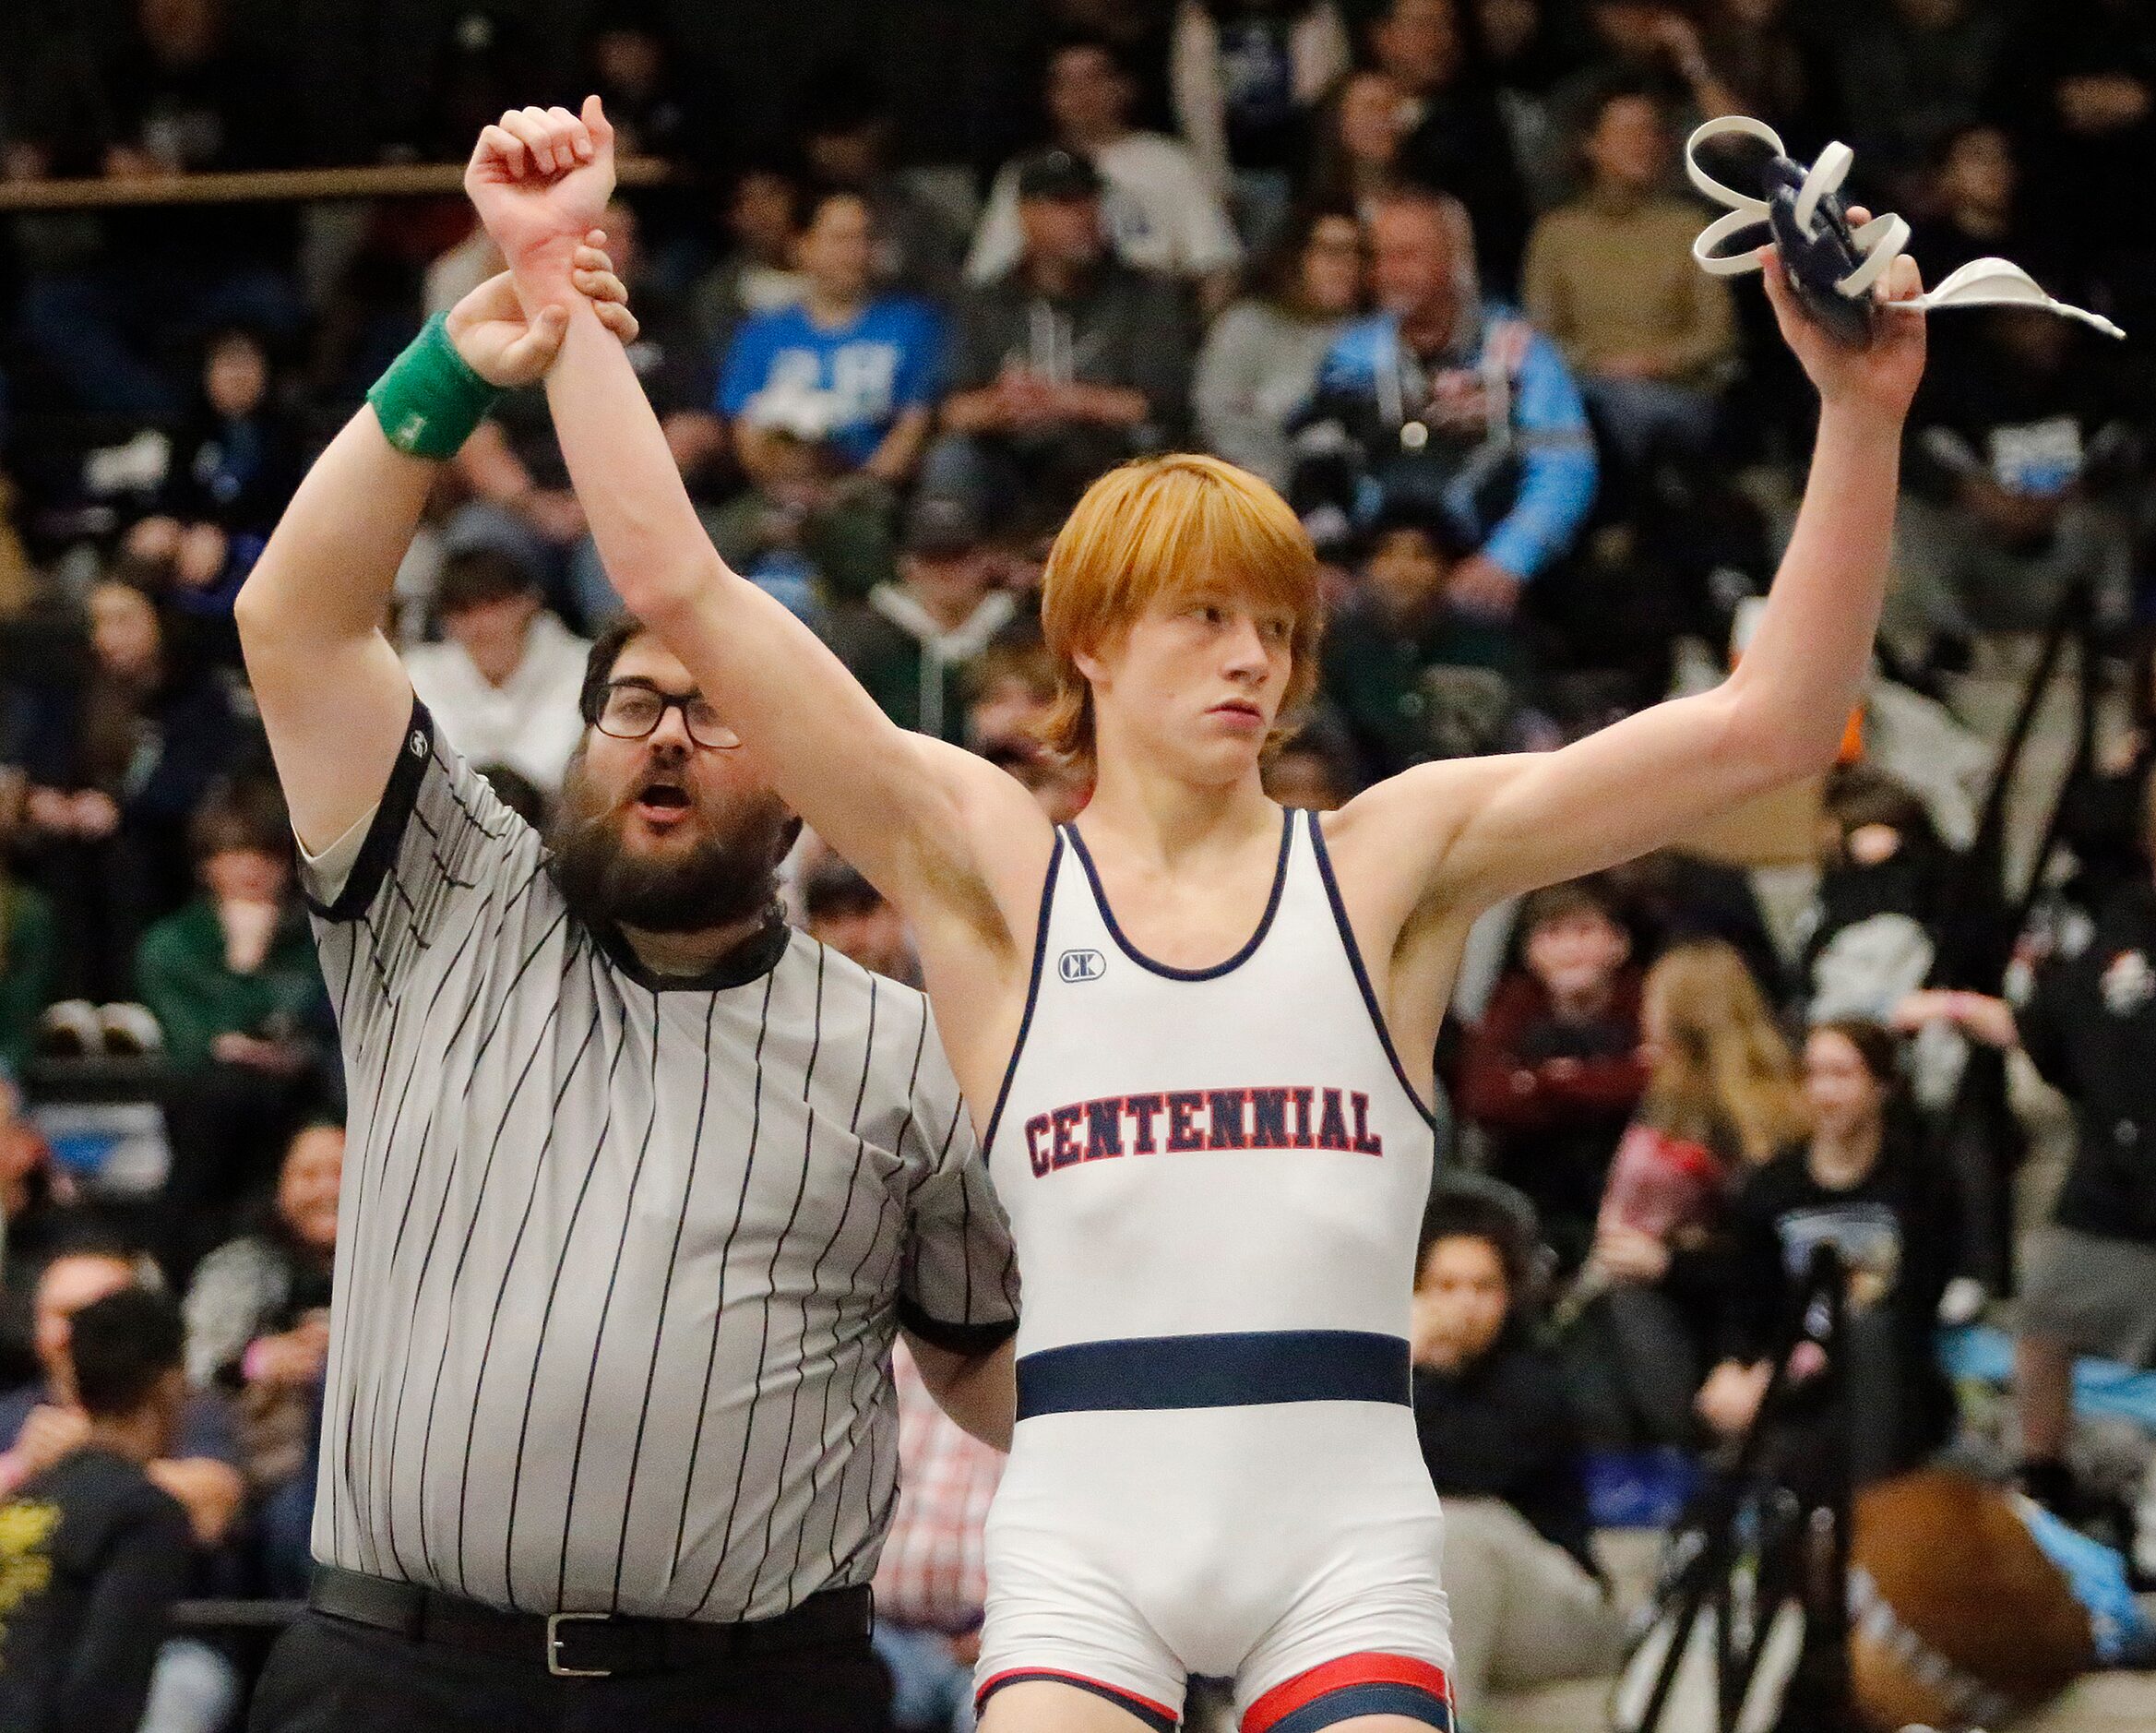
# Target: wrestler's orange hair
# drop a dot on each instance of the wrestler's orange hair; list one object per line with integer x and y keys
{"x": 1164, "y": 527}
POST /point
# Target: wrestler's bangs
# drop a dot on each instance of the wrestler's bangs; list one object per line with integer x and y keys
{"x": 1166, "y": 529}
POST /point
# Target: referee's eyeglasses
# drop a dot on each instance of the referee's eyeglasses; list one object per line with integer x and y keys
{"x": 632, "y": 709}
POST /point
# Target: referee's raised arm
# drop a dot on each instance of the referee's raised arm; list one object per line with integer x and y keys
{"x": 333, "y": 696}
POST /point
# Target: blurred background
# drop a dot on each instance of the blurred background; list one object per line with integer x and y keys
{"x": 911, "y": 274}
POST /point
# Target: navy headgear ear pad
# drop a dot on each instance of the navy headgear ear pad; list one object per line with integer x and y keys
{"x": 1818, "y": 261}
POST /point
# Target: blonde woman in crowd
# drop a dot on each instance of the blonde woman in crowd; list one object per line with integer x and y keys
{"x": 1723, "y": 1097}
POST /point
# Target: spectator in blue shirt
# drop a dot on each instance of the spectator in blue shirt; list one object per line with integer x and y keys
{"x": 1444, "y": 400}
{"x": 851, "y": 370}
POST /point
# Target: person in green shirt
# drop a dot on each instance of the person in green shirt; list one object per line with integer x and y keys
{"x": 1411, "y": 675}
{"x": 233, "y": 982}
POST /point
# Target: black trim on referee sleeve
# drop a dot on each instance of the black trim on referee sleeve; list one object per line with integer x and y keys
{"x": 966, "y": 1338}
{"x": 392, "y": 817}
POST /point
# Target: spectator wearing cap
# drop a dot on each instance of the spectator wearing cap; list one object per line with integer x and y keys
{"x": 911, "y": 642}
{"x": 846, "y": 135}
{"x": 847, "y": 367}
{"x": 94, "y": 1551}
{"x": 1610, "y": 278}
{"x": 1161, "y": 212}
{"x": 502, "y": 685}
{"x": 841, "y": 909}
{"x": 1062, "y": 366}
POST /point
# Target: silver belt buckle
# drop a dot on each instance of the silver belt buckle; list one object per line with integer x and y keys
{"x": 554, "y": 1621}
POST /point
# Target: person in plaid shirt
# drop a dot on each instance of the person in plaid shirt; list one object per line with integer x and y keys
{"x": 933, "y": 1581}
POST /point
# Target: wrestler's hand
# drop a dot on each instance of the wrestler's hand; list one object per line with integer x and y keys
{"x": 541, "y": 179}
{"x": 503, "y": 348}
{"x": 1882, "y": 377}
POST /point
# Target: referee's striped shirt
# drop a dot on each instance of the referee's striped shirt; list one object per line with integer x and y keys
{"x": 620, "y": 1258}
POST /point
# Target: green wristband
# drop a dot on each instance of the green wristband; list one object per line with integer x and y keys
{"x": 430, "y": 399}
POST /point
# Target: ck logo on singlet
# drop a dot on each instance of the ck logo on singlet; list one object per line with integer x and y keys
{"x": 1081, "y": 965}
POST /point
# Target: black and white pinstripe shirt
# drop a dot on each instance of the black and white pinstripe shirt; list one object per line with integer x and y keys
{"x": 620, "y": 1258}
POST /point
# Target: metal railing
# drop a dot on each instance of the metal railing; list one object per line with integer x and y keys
{"x": 406, "y": 180}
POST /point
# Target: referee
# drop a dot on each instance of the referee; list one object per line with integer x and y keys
{"x": 641, "y": 1181}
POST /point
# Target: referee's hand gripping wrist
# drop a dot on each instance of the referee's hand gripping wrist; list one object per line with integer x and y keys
{"x": 498, "y": 341}
{"x": 443, "y": 386}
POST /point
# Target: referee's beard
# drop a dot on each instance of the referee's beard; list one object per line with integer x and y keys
{"x": 720, "y": 869}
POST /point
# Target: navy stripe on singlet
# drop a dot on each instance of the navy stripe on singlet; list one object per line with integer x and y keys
{"x": 1239, "y": 1370}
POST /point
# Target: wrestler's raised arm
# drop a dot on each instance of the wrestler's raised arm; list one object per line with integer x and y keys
{"x": 949, "y": 839}
{"x": 333, "y": 695}
{"x": 1428, "y": 848}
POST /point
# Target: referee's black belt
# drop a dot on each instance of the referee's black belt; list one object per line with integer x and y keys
{"x": 582, "y": 1645}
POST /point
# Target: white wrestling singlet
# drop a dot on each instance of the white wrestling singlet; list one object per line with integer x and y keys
{"x": 1216, "y": 1179}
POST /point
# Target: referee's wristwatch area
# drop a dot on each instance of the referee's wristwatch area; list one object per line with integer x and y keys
{"x": 582, "y": 1645}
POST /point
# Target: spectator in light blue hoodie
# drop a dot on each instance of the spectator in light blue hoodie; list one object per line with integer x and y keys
{"x": 1447, "y": 401}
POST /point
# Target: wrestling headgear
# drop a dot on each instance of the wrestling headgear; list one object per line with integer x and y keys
{"x": 1832, "y": 267}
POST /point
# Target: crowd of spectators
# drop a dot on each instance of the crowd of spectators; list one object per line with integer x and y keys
{"x": 1421, "y": 264}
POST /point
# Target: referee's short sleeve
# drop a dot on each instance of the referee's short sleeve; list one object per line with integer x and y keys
{"x": 960, "y": 1288}
{"x": 439, "y": 850}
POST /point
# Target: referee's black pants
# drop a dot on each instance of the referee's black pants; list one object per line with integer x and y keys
{"x": 329, "y": 1676}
